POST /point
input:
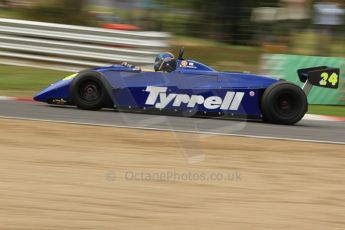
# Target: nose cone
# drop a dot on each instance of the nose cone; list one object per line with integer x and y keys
{"x": 40, "y": 97}
{"x": 44, "y": 95}
{"x": 58, "y": 90}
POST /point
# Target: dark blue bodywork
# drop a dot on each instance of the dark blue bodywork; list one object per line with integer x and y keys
{"x": 192, "y": 87}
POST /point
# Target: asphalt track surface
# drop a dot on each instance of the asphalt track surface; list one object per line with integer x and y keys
{"x": 307, "y": 130}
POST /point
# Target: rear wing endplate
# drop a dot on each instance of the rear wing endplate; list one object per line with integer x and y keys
{"x": 322, "y": 76}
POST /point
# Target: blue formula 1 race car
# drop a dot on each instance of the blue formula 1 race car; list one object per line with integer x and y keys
{"x": 189, "y": 88}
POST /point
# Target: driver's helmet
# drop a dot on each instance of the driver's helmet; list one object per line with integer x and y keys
{"x": 165, "y": 62}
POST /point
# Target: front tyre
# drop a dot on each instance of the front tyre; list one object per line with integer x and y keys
{"x": 284, "y": 103}
{"x": 88, "y": 92}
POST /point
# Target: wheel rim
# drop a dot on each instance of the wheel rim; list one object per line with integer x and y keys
{"x": 90, "y": 91}
{"x": 286, "y": 104}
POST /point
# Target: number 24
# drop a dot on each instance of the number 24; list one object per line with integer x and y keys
{"x": 333, "y": 79}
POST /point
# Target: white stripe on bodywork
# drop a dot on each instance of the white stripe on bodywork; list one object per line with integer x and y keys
{"x": 237, "y": 101}
{"x": 227, "y": 100}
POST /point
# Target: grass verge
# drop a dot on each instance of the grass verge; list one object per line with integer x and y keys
{"x": 335, "y": 110}
{"x": 218, "y": 55}
{"x": 26, "y": 81}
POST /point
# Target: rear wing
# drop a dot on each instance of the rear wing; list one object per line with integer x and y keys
{"x": 322, "y": 76}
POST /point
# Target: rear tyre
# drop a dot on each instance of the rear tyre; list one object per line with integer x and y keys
{"x": 88, "y": 92}
{"x": 284, "y": 103}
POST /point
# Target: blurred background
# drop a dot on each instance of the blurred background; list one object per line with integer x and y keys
{"x": 274, "y": 37}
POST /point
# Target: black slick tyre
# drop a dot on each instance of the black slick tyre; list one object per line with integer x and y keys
{"x": 88, "y": 91}
{"x": 283, "y": 103}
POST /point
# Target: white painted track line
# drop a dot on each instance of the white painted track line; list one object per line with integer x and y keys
{"x": 175, "y": 130}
